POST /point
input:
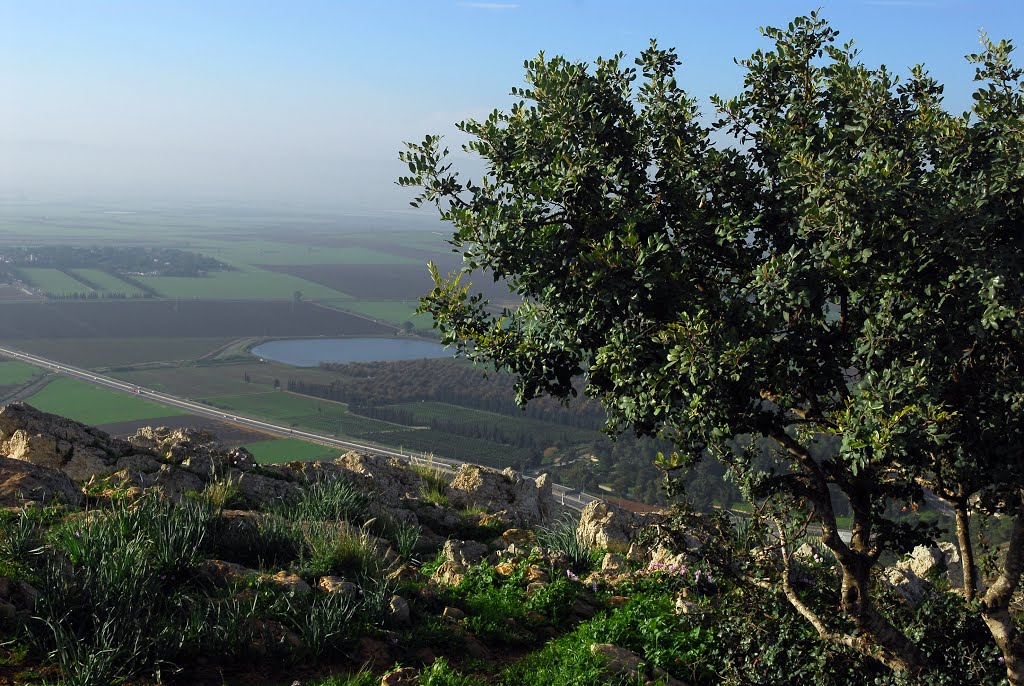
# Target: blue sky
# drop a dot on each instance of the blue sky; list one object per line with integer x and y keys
{"x": 306, "y": 102}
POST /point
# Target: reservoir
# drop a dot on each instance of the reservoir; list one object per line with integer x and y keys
{"x": 310, "y": 352}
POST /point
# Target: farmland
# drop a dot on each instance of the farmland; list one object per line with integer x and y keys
{"x": 174, "y": 318}
{"x": 106, "y": 283}
{"x": 13, "y": 373}
{"x": 91, "y": 404}
{"x": 289, "y": 276}
{"x": 288, "y": 449}
{"x": 52, "y": 281}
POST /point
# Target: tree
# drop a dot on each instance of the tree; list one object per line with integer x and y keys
{"x": 849, "y": 265}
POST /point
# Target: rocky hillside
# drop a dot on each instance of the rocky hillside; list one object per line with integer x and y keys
{"x": 166, "y": 558}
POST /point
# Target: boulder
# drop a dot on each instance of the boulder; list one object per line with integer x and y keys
{"x": 607, "y": 526}
{"x": 23, "y": 481}
{"x": 390, "y": 479}
{"x": 522, "y": 500}
{"x": 49, "y": 440}
{"x": 629, "y": 666}
{"x": 262, "y": 491}
{"x": 463, "y": 553}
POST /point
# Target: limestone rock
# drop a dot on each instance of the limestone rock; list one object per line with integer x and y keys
{"x": 627, "y": 664}
{"x": 613, "y": 563}
{"x": 49, "y": 440}
{"x": 291, "y": 583}
{"x": 398, "y": 612}
{"x": 405, "y": 676}
{"x": 389, "y": 478}
{"x": 524, "y": 501}
{"x": 23, "y": 481}
{"x": 335, "y": 585}
{"x": 608, "y": 526}
{"x": 262, "y": 491}
{"x": 463, "y": 553}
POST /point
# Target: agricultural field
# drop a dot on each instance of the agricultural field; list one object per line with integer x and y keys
{"x": 425, "y": 412}
{"x": 106, "y": 283}
{"x": 302, "y": 412}
{"x": 105, "y": 353}
{"x": 179, "y": 318}
{"x": 94, "y": 405}
{"x": 289, "y": 449}
{"x": 52, "y": 281}
{"x": 9, "y": 293}
{"x": 14, "y": 373}
{"x": 245, "y": 283}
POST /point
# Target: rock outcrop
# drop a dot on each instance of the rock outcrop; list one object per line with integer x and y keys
{"x": 521, "y": 501}
{"x": 22, "y": 481}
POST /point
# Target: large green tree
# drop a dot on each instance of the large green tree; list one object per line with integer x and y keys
{"x": 832, "y": 254}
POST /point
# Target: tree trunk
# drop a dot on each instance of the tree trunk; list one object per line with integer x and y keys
{"x": 963, "y": 540}
{"x": 995, "y": 604}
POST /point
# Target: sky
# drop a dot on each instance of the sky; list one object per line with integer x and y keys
{"x": 306, "y": 103}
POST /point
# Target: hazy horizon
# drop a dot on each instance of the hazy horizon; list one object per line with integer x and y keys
{"x": 305, "y": 105}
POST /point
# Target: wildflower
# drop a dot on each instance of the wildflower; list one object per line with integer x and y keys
{"x": 572, "y": 577}
{"x": 696, "y": 576}
{"x": 593, "y": 585}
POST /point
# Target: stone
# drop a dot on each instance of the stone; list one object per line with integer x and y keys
{"x": 613, "y": 563}
{"x": 389, "y": 478}
{"x": 449, "y": 574}
{"x": 405, "y": 676}
{"x": 464, "y": 553}
{"x": 261, "y": 491}
{"x": 335, "y": 585}
{"x": 222, "y": 572}
{"x": 453, "y": 614}
{"x": 535, "y": 586}
{"x": 606, "y": 526}
{"x": 174, "y": 482}
{"x": 520, "y": 538}
{"x": 22, "y": 481}
{"x": 398, "y": 612}
{"x": 628, "y": 665}
{"x": 86, "y": 463}
{"x": 523, "y": 501}
{"x": 289, "y": 582}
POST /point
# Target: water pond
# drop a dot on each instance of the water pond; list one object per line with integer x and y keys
{"x": 310, "y": 352}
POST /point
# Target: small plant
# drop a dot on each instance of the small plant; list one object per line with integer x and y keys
{"x": 324, "y": 622}
{"x": 434, "y": 488}
{"x": 405, "y": 537}
{"x": 331, "y": 500}
{"x": 563, "y": 535}
{"x": 336, "y": 548}
{"x": 223, "y": 493}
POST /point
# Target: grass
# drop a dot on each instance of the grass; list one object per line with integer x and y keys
{"x": 247, "y": 283}
{"x": 92, "y": 353}
{"x": 288, "y": 449}
{"x": 53, "y": 281}
{"x": 91, "y": 404}
{"x": 107, "y": 283}
{"x": 393, "y": 311}
{"x": 15, "y": 373}
{"x": 257, "y": 251}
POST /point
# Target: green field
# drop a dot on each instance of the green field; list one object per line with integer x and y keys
{"x": 247, "y": 283}
{"x": 92, "y": 353}
{"x": 107, "y": 283}
{"x": 288, "y": 449}
{"x": 302, "y": 411}
{"x": 15, "y": 373}
{"x": 90, "y": 404}
{"x": 53, "y": 281}
{"x": 392, "y": 311}
{"x": 426, "y": 411}
{"x": 255, "y": 252}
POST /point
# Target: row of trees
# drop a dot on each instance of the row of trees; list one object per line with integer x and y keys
{"x": 849, "y": 262}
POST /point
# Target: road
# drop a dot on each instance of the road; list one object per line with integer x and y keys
{"x": 570, "y": 498}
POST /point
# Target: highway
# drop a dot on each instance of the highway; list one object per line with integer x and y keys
{"x": 570, "y": 498}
